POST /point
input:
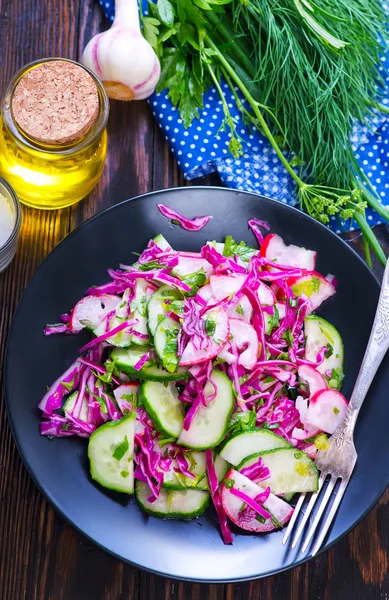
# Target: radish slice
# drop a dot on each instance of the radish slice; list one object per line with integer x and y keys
{"x": 232, "y": 505}
{"x": 227, "y": 355}
{"x": 224, "y": 286}
{"x": 308, "y": 430}
{"x": 188, "y": 265}
{"x": 266, "y": 295}
{"x": 205, "y": 293}
{"x": 91, "y": 310}
{"x": 313, "y": 378}
{"x": 246, "y": 337}
{"x": 241, "y": 310}
{"x": 275, "y": 249}
{"x": 212, "y": 345}
{"x": 313, "y": 286}
{"x": 326, "y": 410}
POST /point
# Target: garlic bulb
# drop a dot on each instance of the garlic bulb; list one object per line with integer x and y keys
{"x": 122, "y": 58}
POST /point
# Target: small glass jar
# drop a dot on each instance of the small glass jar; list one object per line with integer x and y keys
{"x": 51, "y": 175}
{"x": 10, "y": 215}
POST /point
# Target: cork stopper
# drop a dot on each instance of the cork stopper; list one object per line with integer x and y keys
{"x": 56, "y": 103}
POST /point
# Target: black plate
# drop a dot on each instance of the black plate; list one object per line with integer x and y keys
{"x": 186, "y": 550}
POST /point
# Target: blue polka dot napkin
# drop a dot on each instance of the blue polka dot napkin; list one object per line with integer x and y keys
{"x": 203, "y": 147}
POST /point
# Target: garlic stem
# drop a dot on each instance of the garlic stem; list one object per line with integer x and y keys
{"x": 127, "y": 14}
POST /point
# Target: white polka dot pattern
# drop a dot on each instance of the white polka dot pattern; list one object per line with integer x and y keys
{"x": 202, "y": 148}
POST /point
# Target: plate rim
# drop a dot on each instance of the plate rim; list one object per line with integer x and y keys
{"x": 49, "y": 497}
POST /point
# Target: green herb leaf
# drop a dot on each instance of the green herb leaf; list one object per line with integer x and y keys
{"x": 329, "y": 352}
{"x": 169, "y": 358}
{"x": 307, "y": 287}
{"x": 165, "y": 12}
{"x": 195, "y": 280}
{"x": 150, "y": 32}
{"x": 121, "y": 449}
{"x": 210, "y": 327}
{"x": 100, "y": 400}
{"x": 232, "y": 248}
{"x": 229, "y": 483}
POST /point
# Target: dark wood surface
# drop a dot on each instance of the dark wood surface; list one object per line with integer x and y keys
{"x": 42, "y": 558}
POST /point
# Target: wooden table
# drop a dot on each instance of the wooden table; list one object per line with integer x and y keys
{"x": 41, "y": 557}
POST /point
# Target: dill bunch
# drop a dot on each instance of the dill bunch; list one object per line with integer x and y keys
{"x": 316, "y": 90}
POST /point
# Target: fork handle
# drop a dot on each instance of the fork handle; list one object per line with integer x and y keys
{"x": 376, "y": 349}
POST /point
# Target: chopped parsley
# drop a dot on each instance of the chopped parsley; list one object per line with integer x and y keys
{"x": 229, "y": 483}
{"x": 169, "y": 357}
{"x": 195, "y": 281}
{"x": 210, "y": 327}
{"x": 148, "y": 266}
{"x": 240, "y": 421}
{"x": 329, "y": 352}
{"x": 334, "y": 381}
{"x": 121, "y": 449}
{"x": 131, "y": 398}
{"x": 68, "y": 385}
{"x": 100, "y": 400}
{"x": 232, "y": 248}
{"x": 307, "y": 287}
{"x": 239, "y": 310}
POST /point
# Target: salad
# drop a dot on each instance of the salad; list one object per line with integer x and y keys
{"x": 208, "y": 378}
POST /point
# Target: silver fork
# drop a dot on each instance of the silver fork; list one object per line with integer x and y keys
{"x": 338, "y": 461}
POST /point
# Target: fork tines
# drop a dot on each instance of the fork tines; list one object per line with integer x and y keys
{"x": 319, "y": 513}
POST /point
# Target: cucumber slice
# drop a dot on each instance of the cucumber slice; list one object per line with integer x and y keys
{"x": 208, "y": 426}
{"x": 162, "y": 242}
{"x": 126, "y": 359}
{"x": 177, "y": 481}
{"x": 291, "y": 470}
{"x": 157, "y": 307}
{"x": 319, "y": 333}
{"x": 165, "y": 343}
{"x": 186, "y": 504}
{"x": 246, "y": 443}
{"x": 162, "y": 404}
{"x": 69, "y": 405}
{"x": 110, "y": 453}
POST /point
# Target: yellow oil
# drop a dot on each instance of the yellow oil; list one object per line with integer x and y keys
{"x": 45, "y": 179}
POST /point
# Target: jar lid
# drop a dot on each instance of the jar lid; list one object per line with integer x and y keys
{"x": 56, "y": 102}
